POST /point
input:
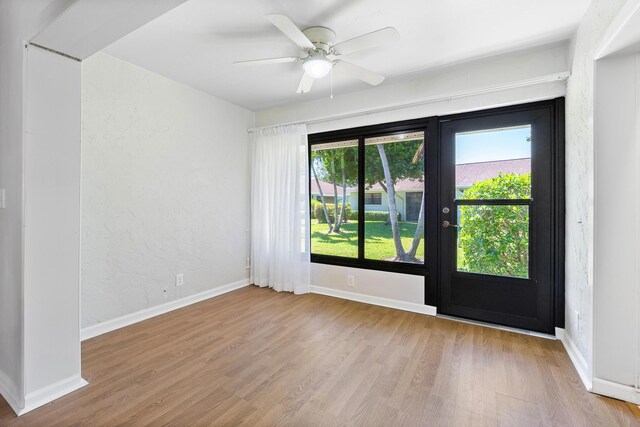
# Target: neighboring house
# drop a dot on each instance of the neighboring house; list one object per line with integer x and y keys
{"x": 409, "y": 191}
{"x": 327, "y": 191}
{"x": 469, "y": 173}
{"x": 408, "y": 199}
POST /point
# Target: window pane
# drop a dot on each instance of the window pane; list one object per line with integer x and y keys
{"x": 334, "y": 177}
{"x": 494, "y": 240}
{"x": 394, "y": 164}
{"x": 373, "y": 199}
{"x": 494, "y": 164}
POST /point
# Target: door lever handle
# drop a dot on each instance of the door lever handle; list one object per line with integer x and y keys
{"x": 447, "y": 224}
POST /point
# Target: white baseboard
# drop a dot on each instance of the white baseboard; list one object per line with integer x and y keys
{"x": 147, "y": 313}
{"x": 576, "y": 358}
{"x": 9, "y": 391}
{"x": 617, "y": 391}
{"x": 50, "y": 393}
{"x": 368, "y": 299}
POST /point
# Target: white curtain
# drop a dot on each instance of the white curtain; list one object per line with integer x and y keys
{"x": 280, "y": 208}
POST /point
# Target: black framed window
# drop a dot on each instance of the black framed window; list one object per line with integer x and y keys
{"x": 379, "y": 172}
{"x": 333, "y": 170}
{"x": 373, "y": 198}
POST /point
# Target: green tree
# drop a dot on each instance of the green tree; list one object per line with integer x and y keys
{"x": 322, "y": 199}
{"x": 386, "y": 164}
{"x": 495, "y": 239}
{"x": 335, "y": 165}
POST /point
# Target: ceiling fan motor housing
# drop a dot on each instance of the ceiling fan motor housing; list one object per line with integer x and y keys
{"x": 321, "y": 37}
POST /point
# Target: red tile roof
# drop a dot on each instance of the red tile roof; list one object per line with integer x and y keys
{"x": 327, "y": 188}
{"x": 466, "y": 175}
{"x": 404, "y": 185}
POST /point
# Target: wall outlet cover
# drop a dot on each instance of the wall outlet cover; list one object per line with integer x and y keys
{"x": 179, "y": 279}
{"x": 351, "y": 281}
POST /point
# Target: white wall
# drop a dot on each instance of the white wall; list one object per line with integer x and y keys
{"x": 39, "y": 171}
{"x": 11, "y": 81}
{"x": 617, "y": 154}
{"x": 503, "y": 80}
{"x": 580, "y": 177}
{"x": 52, "y": 225}
{"x": 165, "y": 190}
{"x": 616, "y": 285}
{"x": 500, "y": 80}
{"x": 19, "y": 21}
{"x": 381, "y": 284}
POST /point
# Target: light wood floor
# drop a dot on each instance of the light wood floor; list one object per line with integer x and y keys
{"x": 256, "y": 357}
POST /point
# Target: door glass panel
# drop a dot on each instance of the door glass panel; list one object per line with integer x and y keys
{"x": 493, "y": 239}
{"x": 494, "y": 164}
{"x": 394, "y": 198}
{"x": 334, "y": 177}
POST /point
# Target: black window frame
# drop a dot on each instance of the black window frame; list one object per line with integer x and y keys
{"x": 429, "y": 127}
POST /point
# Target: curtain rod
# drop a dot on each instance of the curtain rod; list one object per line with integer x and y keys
{"x": 562, "y": 76}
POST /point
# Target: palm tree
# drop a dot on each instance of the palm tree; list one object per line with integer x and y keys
{"x": 401, "y": 254}
{"x": 417, "y": 237}
{"x": 322, "y": 200}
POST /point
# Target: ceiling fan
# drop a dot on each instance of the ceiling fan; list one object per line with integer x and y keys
{"x": 321, "y": 54}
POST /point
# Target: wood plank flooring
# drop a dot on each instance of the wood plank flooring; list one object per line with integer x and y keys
{"x": 257, "y": 357}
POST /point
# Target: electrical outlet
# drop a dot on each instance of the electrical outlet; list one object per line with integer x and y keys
{"x": 351, "y": 281}
{"x": 2, "y": 198}
{"x": 248, "y": 262}
{"x": 179, "y": 279}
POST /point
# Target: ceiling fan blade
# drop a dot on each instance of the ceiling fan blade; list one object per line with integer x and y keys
{"x": 305, "y": 83}
{"x": 363, "y": 74}
{"x": 366, "y": 41}
{"x": 267, "y": 61}
{"x": 290, "y": 30}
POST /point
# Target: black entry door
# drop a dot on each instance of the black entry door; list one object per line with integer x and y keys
{"x": 495, "y": 216}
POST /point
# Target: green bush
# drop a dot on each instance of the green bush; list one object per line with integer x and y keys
{"x": 320, "y": 216}
{"x": 314, "y": 203}
{"x": 373, "y": 216}
{"x": 495, "y": 239}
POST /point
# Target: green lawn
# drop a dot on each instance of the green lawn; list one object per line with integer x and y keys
{"x": 378, "y": 240}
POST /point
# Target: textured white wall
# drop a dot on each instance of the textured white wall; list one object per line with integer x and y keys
{"x": 165, "y": 190}
{"x": 580, "y": 175}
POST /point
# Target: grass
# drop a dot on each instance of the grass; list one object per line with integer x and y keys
{"x": 378, "y": 240}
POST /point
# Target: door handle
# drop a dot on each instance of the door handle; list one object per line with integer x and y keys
{"x": 447, "y": 224}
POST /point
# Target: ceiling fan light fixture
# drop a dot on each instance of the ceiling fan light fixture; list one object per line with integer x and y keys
{"x": 317, "y": 66}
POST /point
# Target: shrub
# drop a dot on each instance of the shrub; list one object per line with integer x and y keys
{"x": 373, "y": 216}
{"x": 495, "y": 239}
{"x": 320, "y": 216}
{"x": 314, "y": 203}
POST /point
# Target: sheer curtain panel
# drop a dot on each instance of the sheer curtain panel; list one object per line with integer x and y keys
{"x": 280, "y": 208}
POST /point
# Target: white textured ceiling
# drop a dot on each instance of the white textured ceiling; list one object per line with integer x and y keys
{"x": 197, "y": 42}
